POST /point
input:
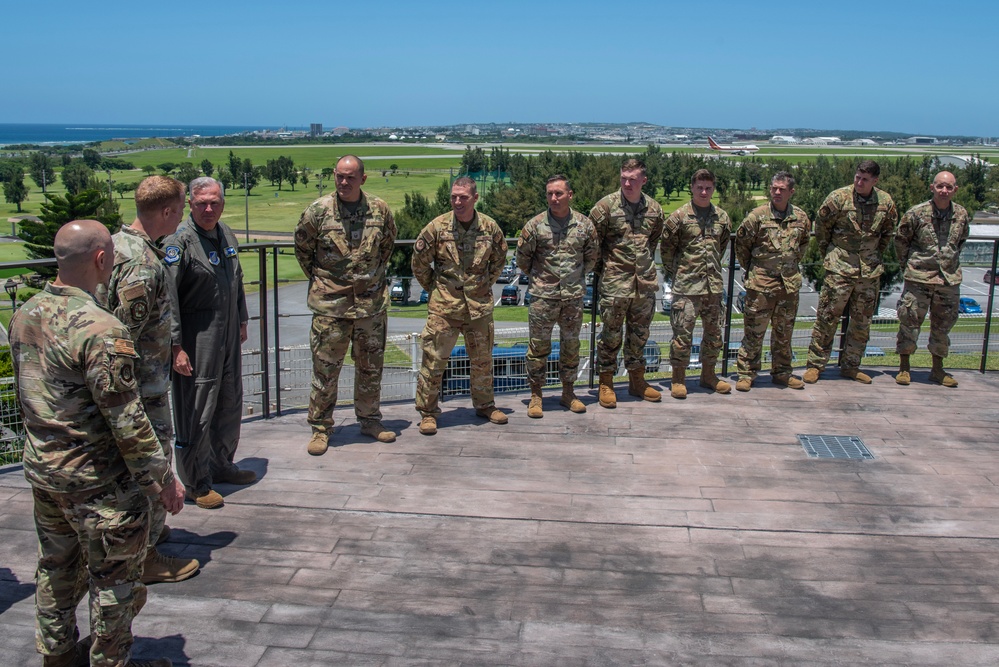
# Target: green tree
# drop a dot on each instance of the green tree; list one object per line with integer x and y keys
{"x": 121, "y": 188}
{"x": 76, "y": 177}
{"x": 42, "y": 170}
{"x": 225, "y": 178}
{"x": 394, "y": 167}
{"x": 236, "y": 169}
{"x": 91, "y": 158}
{"x": 187, "y": 172}
{"x": 207, "y": 167}
{"x": 57, "y": 211}
{"x": 166, "y": 167}
{"x": 248, "y": 176}
{"x": 15, "y": 191}
{"x": 305, "y": 177}
{"x": 417, "y": 211}
{"x": 149, "y": 169}
{"x": 474, "y": 161}
{"x": 292, "y": 179}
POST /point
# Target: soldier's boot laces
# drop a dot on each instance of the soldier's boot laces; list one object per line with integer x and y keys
{"x": 744, "y": 384}
{"x": 534, "y": 409}
{"x": 606, "y": 395}
{"x": 710, "y": 381}
{"x": 375, "y": 430}
{"x": 903, "y": 377}
{"x": 569, "y": 399}
{"x": 637, "y": 386}
{"x": 319, "y": 443}
{"x": 428, "y": 425}
{"x": 678, "y": 385}
{"x": 158, "y": 568}
{"x": 939, "y": 376}
{"x": 788, "y": 381}
{"x": 856, "y": 375}
{"x": 811, "y": 375}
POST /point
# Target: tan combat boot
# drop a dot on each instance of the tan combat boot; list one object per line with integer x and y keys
{"x": 157, "y": 568}
{"x": 534, "y": 410}
{"x": 856, "y": 375}
{"x": 710, "y": 381}
{"x": 678, "y": 386}
{"x": 569, "y": 399}
{"x": 607, "y": 397}
{"x": 319, "y": 443}
{"x": 209, "y": 500}
{"x": 374, "y": 429}
{"x": 637, "y": 386}
{"x": 811, "y": 375}
{"x": 428, "y": 425}
{"x": 903, "y": 370}
{"x": 788, "y": 381}
{"x": 234, "y": 475}
{"x": 493, "y": 414}
{"x": 744, "y": 384}
{"x": 939, "y": 376}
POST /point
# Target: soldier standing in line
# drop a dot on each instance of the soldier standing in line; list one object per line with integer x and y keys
{"x": 692, "y": 245}
{"x": 343, "y": 243}
{"x": 556, "y": 249}
{"x": 139, "y": 296}
{"x": 209, "y": 326}
{"x": 928, "y": 244}
{"x": 457, "y": 258}
{"x": 853, "y": 229}
{"x": 91, "y": 457}
{"x": 769, "y": 245}
{"x": 629, "y": 224}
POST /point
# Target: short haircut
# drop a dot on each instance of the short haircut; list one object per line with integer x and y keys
{"x": 465, "y": 182}
{"x": 156, "y": 192}
{"x": 350, "y": 156}
{"x": 558, "y": 177}
{"x": 869, "y": 167}
{"x": 203, "y": 183}
{"x": 702, "y": 175}
{"x": 76, "y": 242}
{"x": 783, "y": 176}
{"x": 632, "y": 164}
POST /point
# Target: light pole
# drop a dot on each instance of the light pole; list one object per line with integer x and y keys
{"x": 11, "y": 288}
{"x": 110, "y": 193}
{"x": 246, "y": 198}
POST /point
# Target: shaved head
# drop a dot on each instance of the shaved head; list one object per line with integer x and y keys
{"x": 77, "y": 241}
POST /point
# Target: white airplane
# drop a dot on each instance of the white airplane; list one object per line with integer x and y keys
{"x": 734, "y": 150}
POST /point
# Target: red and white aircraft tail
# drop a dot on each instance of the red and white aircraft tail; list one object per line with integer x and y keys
{"x": 734, "y": 150}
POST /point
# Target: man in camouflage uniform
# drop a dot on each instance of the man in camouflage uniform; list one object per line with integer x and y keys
{"x": 928, "y": 244}
{"x": 91, "y": 456}
{"x": 209, "y": 327}
{"x": 457, "y": 258}
{"x": 629, "y": 224}
{"x": 692, "y": 245}
{"x": 139, "y": 296}
{"x": 557, "y": 249}
{"x": 343, "y": 243}
{"x": 853, "y": 229}
{"x": 769, "y": 245}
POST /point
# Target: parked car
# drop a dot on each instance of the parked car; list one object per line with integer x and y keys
{"x": 667, "y": 298}
{"x": 525, "y": 279}
{"x": 990, "y": 278}
{"x": 968, "y": 305}
{"x": 527, "y": 297}
{"x": 588, "y": 298}
{"x": 510, "y": 296}
{"x": 509, "y": 369}
{"x": 740, "y": 301}
{"x": 506, "y": 276}
{"x": 424, "y": 297}
{"x": 653, "y": 358}
{"x": 397, "y": 293}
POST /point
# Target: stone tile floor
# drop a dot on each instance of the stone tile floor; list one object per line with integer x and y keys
{"x": 682, "y": 533}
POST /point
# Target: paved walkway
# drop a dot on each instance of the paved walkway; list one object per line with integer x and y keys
{"x": 685, "y": 533}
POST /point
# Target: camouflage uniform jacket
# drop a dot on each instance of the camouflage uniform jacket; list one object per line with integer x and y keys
{"x": 853, "y": 232}
{"x": 139, "y": 296}
{"x": 627, "y": 246}
{"x": 557, "y": 271}
{"x": 458, "y": 268}
{"x": 770, "y": 250}
{"x": 691, "y": 249}
{"x": 928, "y": 243}
{"x": 346, "y": 280}
{"x": 76, "y": 387}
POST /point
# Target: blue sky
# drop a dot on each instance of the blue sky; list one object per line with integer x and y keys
{"x": 917, "y": 67}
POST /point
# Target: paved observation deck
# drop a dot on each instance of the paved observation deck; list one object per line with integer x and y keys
{"x": 682, "y": 533}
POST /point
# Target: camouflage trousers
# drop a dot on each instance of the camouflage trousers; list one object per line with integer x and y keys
{"x": 942, "y": 302}
{"x": 683, "y": 317}
{"x": 543, "y": 315}
{"x": 158, "y": 410}
{"x": 92, "y": 539}
{"x": 329, "y": 340}
{"x": 614, "y": 313}
{"x": 763, "y": 308}
{"x": 439, "y": 336}
{"x": 838, "y": 293}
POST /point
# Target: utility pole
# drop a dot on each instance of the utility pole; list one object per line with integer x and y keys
{"x": 246, "y": 198}
{"x": 110, "y": 193}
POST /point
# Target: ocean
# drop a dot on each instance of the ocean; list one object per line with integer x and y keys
{"x": 78, "y": 133}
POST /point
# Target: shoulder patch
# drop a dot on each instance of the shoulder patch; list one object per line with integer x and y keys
{"x": 123, "y": 346}
{"x": 421, "y": 245}
{"x": 133, "y": 291}
{"x": 172, "y": 254}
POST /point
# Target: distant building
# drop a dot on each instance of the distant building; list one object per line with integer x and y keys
{"x": 861, "y": 142}
{"x": 960, "y": 161}
{"x": 315, "y": 129}
{"x": 783, "y": 139}
{"x": 340, "y": 131}
{"x": 922, "y": 140}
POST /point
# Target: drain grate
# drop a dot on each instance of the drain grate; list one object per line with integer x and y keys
{"x": 835, "y": 447}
